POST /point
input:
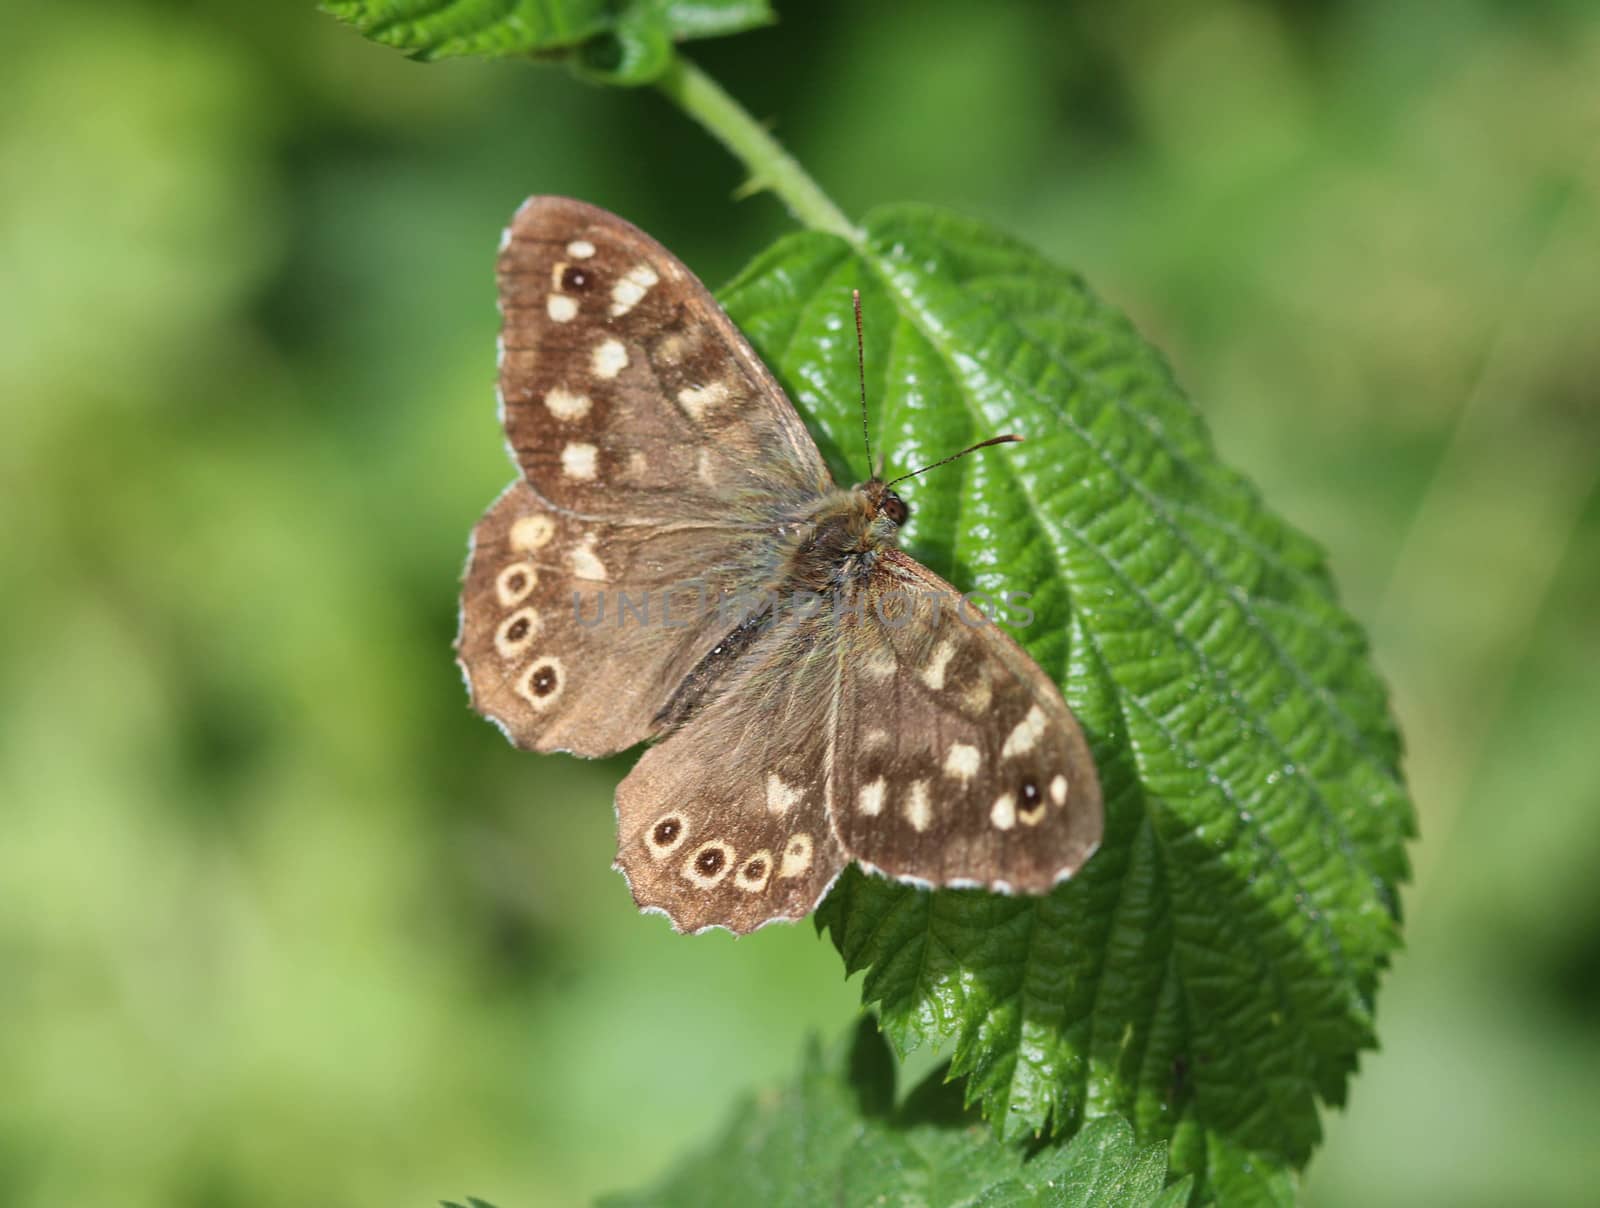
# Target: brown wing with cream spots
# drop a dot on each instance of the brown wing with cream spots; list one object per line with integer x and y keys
{"x": 725, "y": 822}
{"x": 956, "y": 761}
{"x": 565, "y": 639}
{"x": 627, "y": 392}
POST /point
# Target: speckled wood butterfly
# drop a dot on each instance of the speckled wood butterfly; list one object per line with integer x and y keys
{"x": 852, "y": 707}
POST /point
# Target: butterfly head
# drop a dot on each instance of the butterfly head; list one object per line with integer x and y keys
{"x": 879, "y": 496}
{"x": 883, "y": 502}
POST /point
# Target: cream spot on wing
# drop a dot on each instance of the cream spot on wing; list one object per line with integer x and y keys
{"x": 880, "y": 664}
{"x": 781, "y": 797}
{"x": 585, "y": 565}
{"x": 638, "y": 464}
{"x": 562, "y": 308}
{"x": 671, "y": 348}
{"x": 976, "y": 697}
{"x": 1031, "y": 814}
{"x": 514, "y": 582}
{"x": 705, "y": 469}
{"x": 577, "y": 460}
{"x": 581, "y": 248}
{"x": 666, "y": 836}
{"x": 870, "y": 801}
{"x": 933, "y": 672}
{"x": 556, "y": 269}
{"x": 609, "y": 359}
{"x": 919, "y": 809}
{"x": 796, "y": 856}
{"x": 962, "y": 761}
{"x": 755, "y": 872}
{"x": 698, "y": 400}
{"x": 542, "y": 683}
{"x": 516, "y": 633}
{"x": 709, "y": 863}
{"x": 1058, "y": 790}
{"x": 529, "y": 533}
{"x": 505, "y": 239}
{"x": 565, "y": 405}
{"x": 1025, "y": 734}
{"x": 633, "y": 286}
{"x": 875, "y": 738}
{"x": 1004, "y": 812}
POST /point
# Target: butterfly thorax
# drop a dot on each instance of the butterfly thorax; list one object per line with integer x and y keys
{"x": 842, "y": 536}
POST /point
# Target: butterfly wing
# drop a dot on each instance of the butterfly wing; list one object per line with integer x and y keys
{"x": 626, "y": 391}
{"x": 725, "y": 822}
{"x": 576, "y": 631}
{"x": 658, "y": 457}
{"x": 956, "y": 761}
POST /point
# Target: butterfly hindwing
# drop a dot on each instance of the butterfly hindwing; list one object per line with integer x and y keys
{"x": 956, "y": 762}
{"x": 627, "y": 392}
{"x": 576, "y": 631}
{"x": 725, "y": 822}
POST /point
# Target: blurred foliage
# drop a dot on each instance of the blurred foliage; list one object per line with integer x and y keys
{"x": 281, "y": 922}
{"x": 626, "y": 42}
{"x": 837, "y": 1136}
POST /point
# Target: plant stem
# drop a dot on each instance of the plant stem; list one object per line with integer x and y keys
{"x": 769, "y": 165}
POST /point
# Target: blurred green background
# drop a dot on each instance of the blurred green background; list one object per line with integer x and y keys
{"x": 282, "y": 922}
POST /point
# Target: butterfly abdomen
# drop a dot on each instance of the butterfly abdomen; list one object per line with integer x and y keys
{"x": 816, "y": 559}
{"x": 712, "y": 667}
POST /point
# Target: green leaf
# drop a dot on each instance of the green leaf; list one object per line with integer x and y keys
{"x": 1210, "y": 973}
{"x": 836, "y": 1137}
{"x": 620, "y": 41}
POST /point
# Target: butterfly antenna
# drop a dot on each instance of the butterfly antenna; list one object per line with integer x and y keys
{"x": 1008, "y": 439}
{"x": 861, "y": 369}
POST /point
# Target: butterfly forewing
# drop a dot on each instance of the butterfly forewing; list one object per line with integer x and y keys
{"x": 627, "y": 392}
{"x": 957, "y": 762}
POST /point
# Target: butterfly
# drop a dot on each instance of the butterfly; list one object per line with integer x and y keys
{"x": 860, "y": 710}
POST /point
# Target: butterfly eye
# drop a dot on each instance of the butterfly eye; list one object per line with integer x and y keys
{"x": 666, "y": 836}
{"x": 1030, "y": 802}
{"x": 710, "y": 861}
{"x": 515, "y": 582}
{"x": 516, "y": 634}
{"x": 540, "y": 685}
{"x": 755, "y": 873}
{"x": 895, "y": 508}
